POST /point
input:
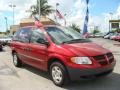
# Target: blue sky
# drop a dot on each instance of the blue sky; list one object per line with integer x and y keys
{"x": 99, "y": 10}
{"x": 103, "y": 6}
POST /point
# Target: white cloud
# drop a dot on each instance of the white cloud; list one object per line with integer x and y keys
{"x": 118, "y": 10}
{"x": 4, "y": 4}
{"x": 107, "y": 16}
{"x": 20, "y": 9}
{"x": 79, "y": 11}
{"x": 75, "y": 10}
{"x": 64, "y": 7}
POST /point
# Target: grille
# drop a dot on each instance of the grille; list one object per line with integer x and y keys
{"x": 110, "y": 57}
{"x": 111, "y": 60}
{"x": 99, "y": 58}
{"x": 104, "y": 59}
{"x": 103, "y": 62}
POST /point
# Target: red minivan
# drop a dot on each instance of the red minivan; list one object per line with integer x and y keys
{"x": 62, "y": 52}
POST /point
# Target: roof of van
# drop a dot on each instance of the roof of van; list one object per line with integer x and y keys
{"x": 44, "y": 26}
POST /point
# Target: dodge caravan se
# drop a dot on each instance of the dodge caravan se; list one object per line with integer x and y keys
{"x": 62, "y": 52}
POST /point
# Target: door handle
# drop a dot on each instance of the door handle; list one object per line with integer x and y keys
{"x": 24, "y": 49}
{"x": 27, "y": 49}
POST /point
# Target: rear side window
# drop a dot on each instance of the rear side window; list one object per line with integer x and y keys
{"x": 37, "y": 36}
{"x": 23, "y": 35}
{"x": 16, "y": 35}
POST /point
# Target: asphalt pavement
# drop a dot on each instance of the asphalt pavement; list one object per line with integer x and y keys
{"x": 29, "y": 78}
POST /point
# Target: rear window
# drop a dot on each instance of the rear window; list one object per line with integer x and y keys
{"x": 23, "y": 35}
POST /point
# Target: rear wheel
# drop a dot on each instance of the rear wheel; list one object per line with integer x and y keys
{"x": 1, "y": 49}
{"x": 59, "y": 74}
{"x": 16, "y": 61}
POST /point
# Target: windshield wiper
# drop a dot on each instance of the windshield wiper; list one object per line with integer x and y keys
{"x": 76, "y": 40}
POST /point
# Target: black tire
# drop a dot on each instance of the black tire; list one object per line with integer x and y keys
{"x": 16, "y": 61}
{"x": 64, "y": 76}
{"x": 1, "y": 49}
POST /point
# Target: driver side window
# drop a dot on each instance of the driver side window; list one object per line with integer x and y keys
{"x": 37, "y": 36}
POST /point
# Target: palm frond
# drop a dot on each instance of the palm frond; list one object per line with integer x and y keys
{"x": 45, "y": 8}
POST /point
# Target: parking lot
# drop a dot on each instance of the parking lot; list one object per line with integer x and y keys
{"x": 29, "y": 78}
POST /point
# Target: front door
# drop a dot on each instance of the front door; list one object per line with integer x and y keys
{"x": 38, "y": 51}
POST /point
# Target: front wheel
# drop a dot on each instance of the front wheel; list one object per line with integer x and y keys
{"x": 59, "y": 74}
{"x": 16, "y": 61}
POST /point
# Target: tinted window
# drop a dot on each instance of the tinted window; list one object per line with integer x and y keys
{"x": 37, "y": 36}
{"x": 16, "y": 35}
{"x": 24, "y": 35}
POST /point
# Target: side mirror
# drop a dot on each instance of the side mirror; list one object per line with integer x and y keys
{"x": 46, "y": 43}
{"x": 42, "y": 41}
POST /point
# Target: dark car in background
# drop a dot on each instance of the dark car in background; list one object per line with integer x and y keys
{"x": 1, "y": 48}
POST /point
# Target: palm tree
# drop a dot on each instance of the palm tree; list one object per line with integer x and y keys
{"x": 44, "y": 8}
{"x": 75, "y": 27}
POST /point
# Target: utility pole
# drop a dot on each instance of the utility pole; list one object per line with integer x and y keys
{"x": 111, "y": 14}
{"x": 13, "y": 8}
{"x": 6, "y": 24}
{"x": 39, "y": 7}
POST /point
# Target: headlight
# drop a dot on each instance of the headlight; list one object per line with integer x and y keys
{"x": 81, "y": 60}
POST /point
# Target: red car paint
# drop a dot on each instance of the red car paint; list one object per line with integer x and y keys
{"x": 117, "y": 38}
{"x": 39, "y": 55}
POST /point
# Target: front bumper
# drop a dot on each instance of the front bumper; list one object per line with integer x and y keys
{"x": 76, "y": 73}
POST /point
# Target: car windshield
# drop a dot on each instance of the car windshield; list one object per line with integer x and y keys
{"x": 61, "y": 35}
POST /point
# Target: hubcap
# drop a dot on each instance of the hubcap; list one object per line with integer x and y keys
{"x": 15, "y": 59}
{"x": 57, "y": 74}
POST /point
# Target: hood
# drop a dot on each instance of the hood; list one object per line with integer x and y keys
{"x": 86, "y": 49}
